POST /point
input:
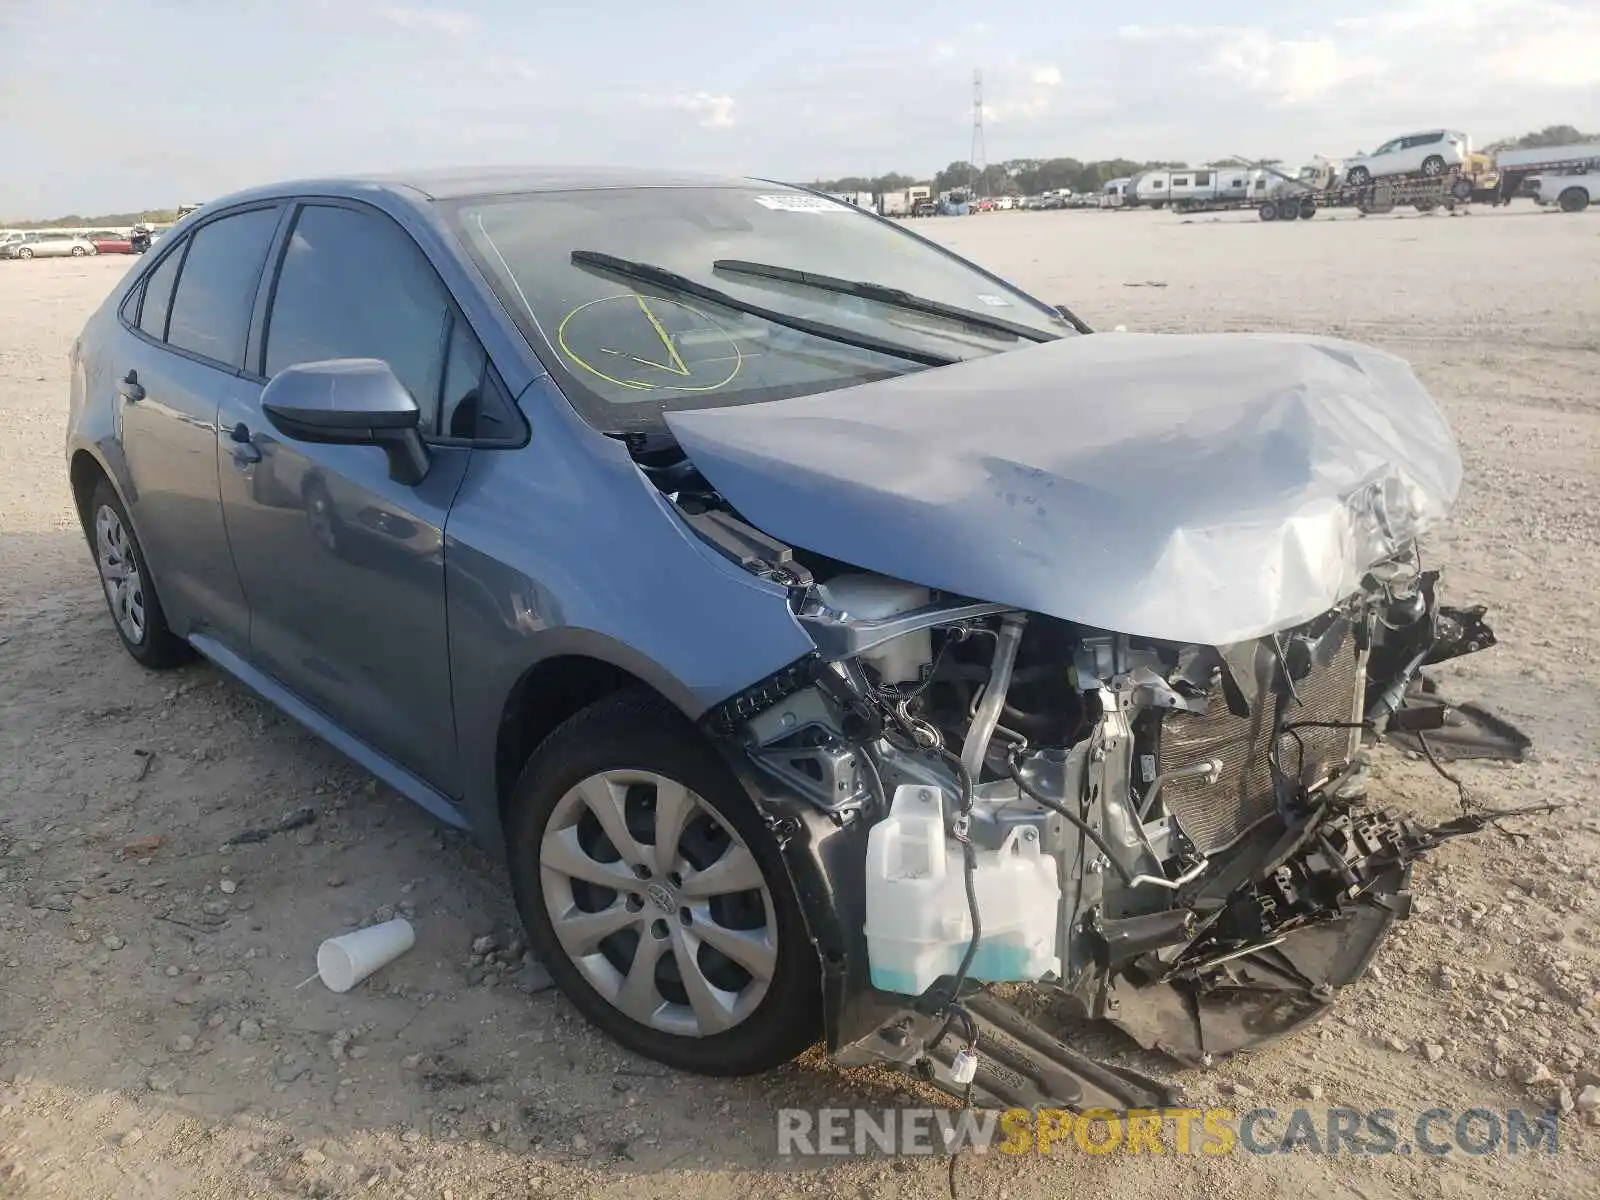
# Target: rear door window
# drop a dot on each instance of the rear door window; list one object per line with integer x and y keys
{"x": 158, "y": 295}
{"x": 353, "y": 284}
{"x": 217, "y": 287}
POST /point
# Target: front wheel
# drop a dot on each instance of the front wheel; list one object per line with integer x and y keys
{"x": 655, "y": 895}
{"x": 1359, "y": 176}
{"x": 24, "y": 253}
{"x": 1573, "y": 200}
{"x": 78, "y": 252}
{"x": 1433, "y": 166}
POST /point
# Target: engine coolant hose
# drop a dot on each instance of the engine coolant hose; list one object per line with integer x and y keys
{"x": 994, "y": 695}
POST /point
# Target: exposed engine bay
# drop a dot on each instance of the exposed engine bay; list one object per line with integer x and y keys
{"x": 1175, "y": 836}
{"x": 978, "y": 782}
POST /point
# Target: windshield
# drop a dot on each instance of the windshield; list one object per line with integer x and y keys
{"x": 627, "y": 350}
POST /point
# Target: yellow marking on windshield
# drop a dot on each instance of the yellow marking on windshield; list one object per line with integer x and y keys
{"x": 732, "y": 362}
{"x": 672, "y": 351}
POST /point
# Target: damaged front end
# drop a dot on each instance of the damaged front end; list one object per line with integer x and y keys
{"x": 1174, "y": 836}
{"x": 1133, "y": 768}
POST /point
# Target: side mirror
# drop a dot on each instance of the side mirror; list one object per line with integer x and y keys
{"x": 349, "y": 402}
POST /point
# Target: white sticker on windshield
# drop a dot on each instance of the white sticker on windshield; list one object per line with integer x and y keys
{"x": 800, "y": 203}
{"x": 994, "y": 301}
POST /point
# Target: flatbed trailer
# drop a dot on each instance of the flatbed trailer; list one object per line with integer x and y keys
{"x": 1294, "y": 199}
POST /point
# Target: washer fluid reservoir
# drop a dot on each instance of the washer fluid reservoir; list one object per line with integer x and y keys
{"x": 918, "y": 919}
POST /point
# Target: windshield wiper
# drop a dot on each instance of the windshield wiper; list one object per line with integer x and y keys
{"x": 682, "y": 284}
{"x": 884, "y": 295}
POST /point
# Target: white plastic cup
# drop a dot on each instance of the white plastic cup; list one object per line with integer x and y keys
{"x": 345, "y": 961}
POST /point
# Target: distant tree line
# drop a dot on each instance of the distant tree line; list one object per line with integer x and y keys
{"x": 1550, "y": 135}
{"x": 1016, "y": 176}
{"x": 150, "y": 216}
{"x": 1031, "y": 176}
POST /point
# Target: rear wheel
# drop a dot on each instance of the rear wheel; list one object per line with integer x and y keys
{"x": 1573, "y": 200}
{"x": 1433, "y": 166}
{"x": 125, "y": 579}
{"x": 1268, "y": 211}
{"x": 655, "y": 895}
{"x": 1359, "y": 176}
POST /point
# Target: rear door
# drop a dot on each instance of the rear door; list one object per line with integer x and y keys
{"x": 177, "y": 359}
{"x": 343, "y": 567}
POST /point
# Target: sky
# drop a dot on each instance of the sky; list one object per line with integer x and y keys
{"x": 115, "y": 106}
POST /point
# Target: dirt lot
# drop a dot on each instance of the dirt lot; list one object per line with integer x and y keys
{"x": 153, "y": 1041}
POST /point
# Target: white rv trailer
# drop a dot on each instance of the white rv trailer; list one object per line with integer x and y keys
{"x": 1198, "y": 186}
{"x": 1578, "y": 154}
{"x": 1114, "y": 193}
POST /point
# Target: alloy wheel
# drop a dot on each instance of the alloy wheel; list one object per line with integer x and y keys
{"x": 658, "y": 903}
{"x": 119, "y": 573}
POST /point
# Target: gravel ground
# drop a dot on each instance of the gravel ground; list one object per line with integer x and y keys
{"x": 154, "y": 1041}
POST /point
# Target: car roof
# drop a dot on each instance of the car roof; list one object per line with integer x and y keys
{"x": 459, "y": 182}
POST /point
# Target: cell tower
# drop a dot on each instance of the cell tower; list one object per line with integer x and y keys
{"x": 975, "y": 159}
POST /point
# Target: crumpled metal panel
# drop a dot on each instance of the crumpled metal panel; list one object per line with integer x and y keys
{"x": 1204, "y": 488}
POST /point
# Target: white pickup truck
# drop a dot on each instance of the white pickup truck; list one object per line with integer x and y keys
{"x": 1573, "y": 193}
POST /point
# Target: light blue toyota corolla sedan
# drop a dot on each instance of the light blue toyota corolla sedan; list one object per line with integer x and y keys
{"x": 824, "y": 629}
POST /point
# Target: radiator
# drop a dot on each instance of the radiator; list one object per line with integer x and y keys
{"x": 1216, "y": 815}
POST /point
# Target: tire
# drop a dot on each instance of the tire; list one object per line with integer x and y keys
{"x": 628, "y": 751}
{"x": 24, "y": 253}
{"x": 1573, "y": 200}
{"x": 131, "y": 599}
{"x": 1308, "y": 209}
{"x": 78, "y": 252}
{"x": 1288, "y": 210}
{"x": 1268, "y": 211}
{"x": 1433, "y": 166}
{"x": 1358, "y": 177}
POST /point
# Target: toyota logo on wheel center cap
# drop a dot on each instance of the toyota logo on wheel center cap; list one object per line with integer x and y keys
{"x": 663, "y": 897}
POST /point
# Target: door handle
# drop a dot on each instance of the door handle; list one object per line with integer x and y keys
{"x": 245, "y": 451}
{"x": 129, "y": 388}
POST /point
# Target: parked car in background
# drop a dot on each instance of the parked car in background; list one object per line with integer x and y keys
{"x": 109, "y": 241}
{"x": 1573, "y": 193}
{"x": 48, "y": 243}
{"x": 1432, "y": 153}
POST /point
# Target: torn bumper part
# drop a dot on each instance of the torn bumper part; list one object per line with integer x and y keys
{"x": 1093, "y": 686}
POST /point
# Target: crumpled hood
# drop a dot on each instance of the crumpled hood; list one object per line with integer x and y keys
{"x": 1200, "y": 488}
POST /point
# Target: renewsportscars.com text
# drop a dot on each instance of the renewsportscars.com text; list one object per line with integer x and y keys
{"x": 1212, "y": 1132}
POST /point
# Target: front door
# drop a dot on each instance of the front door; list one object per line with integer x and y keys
{"x": 343, "y": 567}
